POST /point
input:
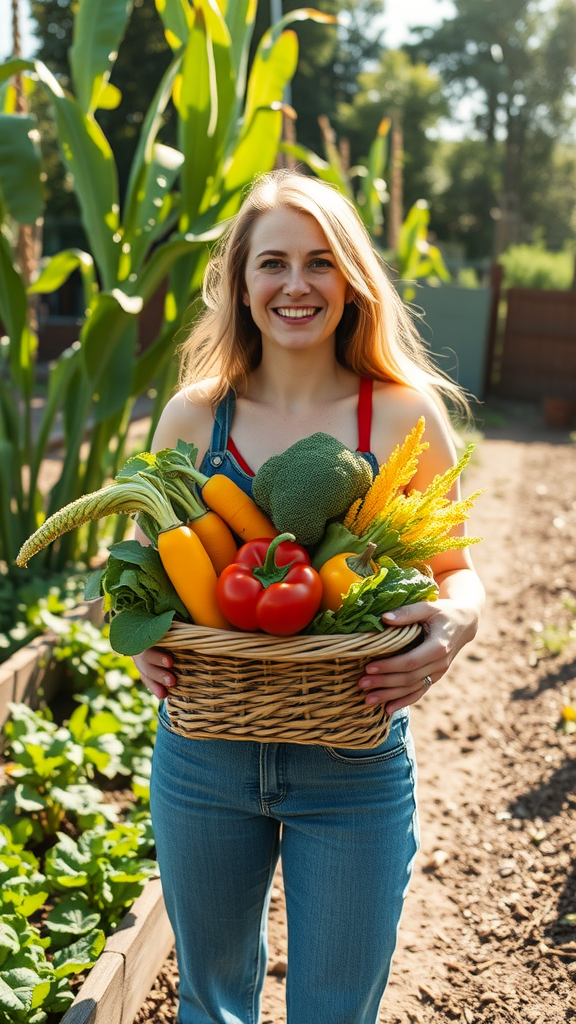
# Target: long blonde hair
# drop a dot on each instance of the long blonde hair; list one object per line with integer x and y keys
{"x": 376, "y": 336}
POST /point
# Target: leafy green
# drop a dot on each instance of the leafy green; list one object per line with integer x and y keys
{"x": 363, "y": 606}
{"x": 135, "y": 585}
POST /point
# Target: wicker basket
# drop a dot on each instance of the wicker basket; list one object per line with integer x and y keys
{"x": 299, "y": 689}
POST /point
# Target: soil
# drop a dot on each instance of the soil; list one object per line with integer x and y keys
{"x": 486, "y": 936}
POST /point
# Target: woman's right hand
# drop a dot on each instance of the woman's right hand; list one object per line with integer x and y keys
{"x": 154, "y": 667}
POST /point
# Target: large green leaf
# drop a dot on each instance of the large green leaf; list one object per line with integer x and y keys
{"x": 255, "y": 152}
{"x": 103, "y": 330}
{"x": 13, "y": 66}
{"x": 240, "y": 16}
{"x": 153, "y": 121}
{"x": 20, "y": 168}
{"x": 8, "y": 540}
{"x": 58, "y": 270}
{"x": 8, "y": 98}
{"x": 59, "y": 381}
{"x": 321, "y": 168}
{"x": 224, "y": 112}
{"x": 10, "y": 419}
{"x": 163, "y": 258}
{"x": 274, "y": 66}
{"x": 113, "y": 396}
{"x": 177, "y": 18}
{"x": 13, "y": 313}
{"x": 196, "y": 99}
{"x": 413, "y": 231}
{"x": 98, "y": 29}
{"x": 378, "y": 155}
{"x": 151, "y": 204}
{"x": 88, "y": 156}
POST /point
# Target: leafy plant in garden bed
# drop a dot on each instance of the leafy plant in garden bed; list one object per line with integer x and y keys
{"x": 23, "y": 599}
{"x": 58, "y": 902}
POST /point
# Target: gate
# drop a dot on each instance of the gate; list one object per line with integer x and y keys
{"x": 539, "y": 351}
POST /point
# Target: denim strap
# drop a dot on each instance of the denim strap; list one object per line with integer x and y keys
{"x": 222, "y": 422}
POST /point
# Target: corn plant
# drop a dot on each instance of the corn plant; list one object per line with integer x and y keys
{"x": 178, "y": 201}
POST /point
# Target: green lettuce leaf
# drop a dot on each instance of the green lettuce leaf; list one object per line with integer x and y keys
{"x": 363, "y": 606}
{"x": 134, "y": 630}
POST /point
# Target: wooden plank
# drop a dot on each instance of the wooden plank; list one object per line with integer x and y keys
{"x": 144, "y": 938}
{"x": 140, "y": 944}
{"x": 99, "y": 1001}
{"x": 24, "y": 672}
{"x": 539, "y": 351}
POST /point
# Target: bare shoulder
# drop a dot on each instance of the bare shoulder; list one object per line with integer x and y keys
{"x": 188, "y": 417}
{"x": 397, "y": 410}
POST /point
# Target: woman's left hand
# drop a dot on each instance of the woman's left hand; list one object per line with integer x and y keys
{"x": 401, "y": 679}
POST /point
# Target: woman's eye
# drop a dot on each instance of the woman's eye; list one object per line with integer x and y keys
{"x": 318, "y": 262}
{"x": 271, "y": 264}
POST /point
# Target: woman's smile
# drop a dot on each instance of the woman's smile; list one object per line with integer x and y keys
{"x": 297, "y": 314}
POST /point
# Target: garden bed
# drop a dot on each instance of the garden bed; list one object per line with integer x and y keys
{"x": 76, "y": 832}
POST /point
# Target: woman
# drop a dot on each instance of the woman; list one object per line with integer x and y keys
{"x": 302, "y": 333}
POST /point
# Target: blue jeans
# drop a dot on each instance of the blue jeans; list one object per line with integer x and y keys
{"x": 345, "y": 822}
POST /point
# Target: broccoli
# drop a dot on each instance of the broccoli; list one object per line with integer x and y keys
{"x": 313, "y": 481}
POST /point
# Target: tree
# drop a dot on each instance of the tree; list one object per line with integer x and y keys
{"x": 464, "y": 180}
{"x": 520, "y": 56}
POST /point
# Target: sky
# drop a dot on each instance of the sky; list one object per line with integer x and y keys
{"x": 398, "y": 17}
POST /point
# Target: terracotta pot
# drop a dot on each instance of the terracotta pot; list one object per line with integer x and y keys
{"x": 559, "y": 413}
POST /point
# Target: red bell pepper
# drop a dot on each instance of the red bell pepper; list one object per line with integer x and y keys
{"x": 270, "y": 586}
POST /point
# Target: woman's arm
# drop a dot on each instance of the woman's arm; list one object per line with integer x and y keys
{"x": 450, "y": 622}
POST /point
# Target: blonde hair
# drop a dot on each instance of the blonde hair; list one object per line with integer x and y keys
{"x": 376, "y": 336}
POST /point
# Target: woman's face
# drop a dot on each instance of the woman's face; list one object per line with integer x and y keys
{"x": 294, "y": 289}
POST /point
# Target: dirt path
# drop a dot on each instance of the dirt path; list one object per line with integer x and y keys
{"x": 481, "y": 939}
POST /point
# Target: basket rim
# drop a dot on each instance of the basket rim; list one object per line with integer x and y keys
{"x": 264, "y": 647}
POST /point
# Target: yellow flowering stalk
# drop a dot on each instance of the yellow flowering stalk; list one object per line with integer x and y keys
{"x": 392, "y": 478}
{"x": 408, "y": 528}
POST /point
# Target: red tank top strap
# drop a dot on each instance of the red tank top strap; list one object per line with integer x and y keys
{"x": 239, "y": 458}
{"x": 364, "y": 414}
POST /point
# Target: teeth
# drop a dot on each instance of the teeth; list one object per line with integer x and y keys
{"x": 297, "y": 314}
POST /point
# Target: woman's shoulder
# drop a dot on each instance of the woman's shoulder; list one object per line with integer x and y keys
{"x": 188, "y": 416}
{"x": 397, "y": 408}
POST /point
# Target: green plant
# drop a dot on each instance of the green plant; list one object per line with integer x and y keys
{"x": 31, "y": 986}
{"x": 105, "y": 865}
{"x": 50, "y": 773}
{"x": 229, "y": 126}
{"x": 24, "y": 599}
{"x": 533, "y": 266}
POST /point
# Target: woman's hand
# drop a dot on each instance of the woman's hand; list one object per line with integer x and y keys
{"x": 154, "y": 667}
{"x": 398, "y": 680}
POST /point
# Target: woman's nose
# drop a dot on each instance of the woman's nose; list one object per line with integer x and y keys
{"x": 296, "y": 283}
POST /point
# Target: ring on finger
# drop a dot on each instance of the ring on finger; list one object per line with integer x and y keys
{"x": 426, "y": 683}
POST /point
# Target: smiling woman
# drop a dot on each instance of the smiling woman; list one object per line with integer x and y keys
{"x": 302, "y": 334}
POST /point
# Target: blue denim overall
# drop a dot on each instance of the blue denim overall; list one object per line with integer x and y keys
{"x": 345, "y": 824}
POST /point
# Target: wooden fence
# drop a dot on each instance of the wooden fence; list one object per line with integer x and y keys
{"x": 539, "y": 349}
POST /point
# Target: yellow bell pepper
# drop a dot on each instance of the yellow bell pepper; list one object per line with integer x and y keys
{"x": 340, "y": 572}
